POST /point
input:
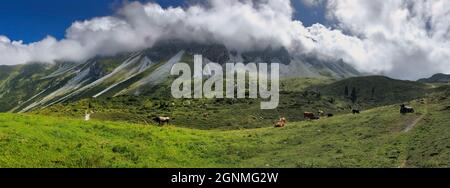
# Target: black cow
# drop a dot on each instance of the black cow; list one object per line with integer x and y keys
{"x": 406, "y": 109}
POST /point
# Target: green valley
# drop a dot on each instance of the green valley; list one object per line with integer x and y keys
{"x": 100, "y": 113}
{"x": 377, "y": 137}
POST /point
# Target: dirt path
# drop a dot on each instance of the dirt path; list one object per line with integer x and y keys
{"x": 411, "y": 124}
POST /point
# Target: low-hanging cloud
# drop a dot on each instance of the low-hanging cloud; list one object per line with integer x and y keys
{"x": 400, "y": 38}
{"x": 239, "y": 25}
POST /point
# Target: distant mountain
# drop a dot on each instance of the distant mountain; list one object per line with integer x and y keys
{"x": 38, "y": 85}
{"x": 437, "y": 78}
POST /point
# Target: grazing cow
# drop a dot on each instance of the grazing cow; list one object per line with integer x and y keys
{"x": 406, "y": 109}
{"x": 356, "y": 111}
{"x": 281, "y": 122}
{"x": 330, "y": 115}
{"x": 308, "y": 115}
{"x": 162, "y": 120}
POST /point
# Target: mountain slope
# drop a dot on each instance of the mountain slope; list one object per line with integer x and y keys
{"x": 375, "y": 90}
{"x": 33, "y": 86}
{"x": 297, "y": 95}
{"x": 437, "y": 78}
{"x": 21, "y": 82}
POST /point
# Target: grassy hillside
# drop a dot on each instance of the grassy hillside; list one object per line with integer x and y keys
{"x": 297, "y": 95}
{"x": 21, "y": 82}
{"x": 5, "y": 71}
{"x": 372, "y": 91}
{"x": 202, "y": 113}
{"x": 21, "y": 85}
{"x": 430, "y": 144}
{"x": 374, "y": 138}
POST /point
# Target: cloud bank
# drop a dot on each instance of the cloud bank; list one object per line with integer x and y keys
{"x": 400, "y": 38}
{"x": 240, "y": 25}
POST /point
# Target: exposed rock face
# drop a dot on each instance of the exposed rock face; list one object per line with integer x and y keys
{"x": 38, "y": 85}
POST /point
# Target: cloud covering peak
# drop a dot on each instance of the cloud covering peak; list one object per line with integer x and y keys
{"x": 400, "y": 38}
{"x": 240, "y": 25}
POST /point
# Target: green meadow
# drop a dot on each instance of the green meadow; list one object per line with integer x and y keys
{"x": 236, "y": 133}
{"x": 375, "y": 138}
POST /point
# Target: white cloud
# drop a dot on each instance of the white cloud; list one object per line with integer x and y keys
{"x": 239, "y": 24}
{"x": 400, "y": 38}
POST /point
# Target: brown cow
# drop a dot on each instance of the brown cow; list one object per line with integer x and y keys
{"x": 281, "y": 122}
{"x": 308, "y": 115}
{"x": 162, "y": 120}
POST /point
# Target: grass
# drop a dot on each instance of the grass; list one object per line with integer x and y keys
{"x": 296, "y": 97}
{"x": 371, "y": 139}
{"x": 225, "y": 114}
{"x": 375, "y": 91}
{"x": 430, "y": 144}
{"x": 236, "y": 133}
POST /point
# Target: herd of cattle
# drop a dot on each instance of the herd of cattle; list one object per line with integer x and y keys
{"x": 306, "y": 115}
{"x": 282, "y": 121}
{"x": 311, "y": 116}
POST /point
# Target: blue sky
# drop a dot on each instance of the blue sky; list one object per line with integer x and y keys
{"x": 394, "y": 45}
{"x": 32, "y": 20}
{"x": 309, "y": 15}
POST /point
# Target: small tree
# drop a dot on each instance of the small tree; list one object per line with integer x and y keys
{"x": 353, "y": 96}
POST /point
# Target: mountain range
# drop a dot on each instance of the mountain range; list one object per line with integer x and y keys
{"x": 124, "y": 93}
{"x": 39, "y": 85}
